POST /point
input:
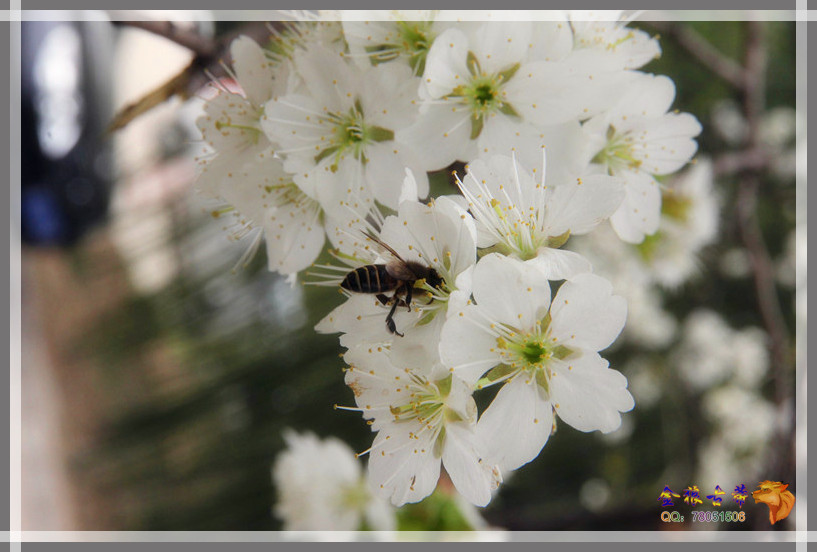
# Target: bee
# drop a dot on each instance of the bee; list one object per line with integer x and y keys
{"x": 398, "y": 275}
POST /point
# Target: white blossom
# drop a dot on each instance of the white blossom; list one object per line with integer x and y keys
{"x": 711, "y": 353}
{"x": 500, "y": 87}
{"x": 340, "y": 136}
{"x": 689, "y": 221}
{"x": 440, "y": 236}
{"x": 230, "y": 125}
{"x": 637, "y": 139}
{"x": 424, "y": 416}
{"x": 321, "y": 487}
{"x": 545, "y": 353}
{"x": 605, "y": 36}
{"x": 530, "y": 219}
{"x": 400, "y": 35}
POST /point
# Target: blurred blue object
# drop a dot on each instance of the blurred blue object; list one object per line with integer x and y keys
{"x": 65, "y": 107}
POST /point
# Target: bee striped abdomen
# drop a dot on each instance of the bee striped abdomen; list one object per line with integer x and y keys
{"x": 369, "y": 279}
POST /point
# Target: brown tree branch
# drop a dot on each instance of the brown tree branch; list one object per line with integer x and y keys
{"x": 193, "y": 77}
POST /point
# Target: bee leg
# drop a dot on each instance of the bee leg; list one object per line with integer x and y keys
{"x": 409, "y": 290}
{"x": 383, "y": 299}
{"x": 390, "y": 320}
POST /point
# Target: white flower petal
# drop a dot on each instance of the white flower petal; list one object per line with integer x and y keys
{"x": 559, "y": 264}
{"x": 463, "y": 461}
{"x": 448, "y": 129}
{"x": 295, "y": 246}
{"x": 383, "y": 171}
{"x": 640, "y": 213}
{"x": 581, "y": 205}
{"x": 403, "y": 468}
{"x": 510, "y": 291}
{"x": 517, "y": 424}
{"x": 500, "y": 44}
{"x": 587, "y": 394}
{"x": 466, "y": 347}
{"x": 253, "y": 70}
{"x": 667, "y": 144}
{"x": 586, "y": 315}
{"x": 445, "y": 63}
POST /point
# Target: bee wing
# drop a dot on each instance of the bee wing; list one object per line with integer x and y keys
{"x": 385, "y": 246}
{"x": 399, "y": 270}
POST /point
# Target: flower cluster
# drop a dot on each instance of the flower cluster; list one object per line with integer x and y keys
{"x": 330, "y": 133}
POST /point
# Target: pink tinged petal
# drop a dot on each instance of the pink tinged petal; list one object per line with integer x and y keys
{"x": 579, "y": 206}
{"x": 516, "y": 426}
{"x": 472, "y": 476}
{"x": 403, "y": 468}
{"x": 587, "y": 394}
{"x": 640, "y": 213}
{"x": 510, "y": 291}
{"x": 253, "y": 70}
{"x": 467, "y": 346}
{"x": 586, "y": 315}
{"x": 445, "y": 64}
{"x": 559, "y": 264}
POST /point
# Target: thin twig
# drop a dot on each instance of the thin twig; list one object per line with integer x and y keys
{"x": 700, "y": 48}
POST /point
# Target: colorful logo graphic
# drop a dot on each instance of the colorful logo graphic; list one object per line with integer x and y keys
{"x": 774, "y": 495}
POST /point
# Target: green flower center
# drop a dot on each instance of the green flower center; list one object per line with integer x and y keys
{"x": 617, "y": 154}
{"x": 413, "y": 40}
{"x": 483, "y": 93}
{"x": 523, "y": 238}
{"x": 427, "y": 400}
{"x": 531, "y": 353}
{"x": 350, "y": 135}
{"x": 534, "y": 352}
